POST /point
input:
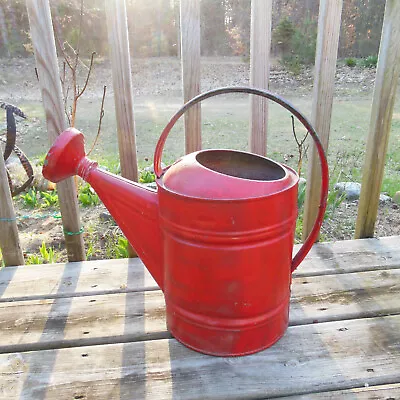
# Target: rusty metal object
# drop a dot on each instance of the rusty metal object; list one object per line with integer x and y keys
{"x": 10, "y": 147}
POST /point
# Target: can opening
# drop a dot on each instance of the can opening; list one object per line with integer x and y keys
{"x": 241, "y": 165}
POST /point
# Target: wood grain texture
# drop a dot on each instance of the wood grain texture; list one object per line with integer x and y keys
{"x": 82, "y": 321}
{"x": 74, "y": 279}
{"x": 387, "y": 76}
{"x": 351, "y": 256}
{"x": 260, "y": 46}
{"x": 127, "y": 317}
{"x": 9, "y": 240}
{"x": 345, "y": 354}
{"x": 390, "y": 391}
{"x": 190, "y": 57}
{"x": 324, "y": 78}
{"x": 118, "y": 39}
{"x": 41, "y": 29}
{"x": 130, "y": 275}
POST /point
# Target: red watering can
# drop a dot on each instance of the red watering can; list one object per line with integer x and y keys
{"x": 217, "y": 235}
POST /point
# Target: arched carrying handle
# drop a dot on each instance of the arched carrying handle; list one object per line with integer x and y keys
{"x": 267, "y": 94}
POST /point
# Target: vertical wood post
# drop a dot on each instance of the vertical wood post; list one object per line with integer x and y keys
{"x": 177, "y": 14}
{"x": 117, "y": 25}
{"x": 9, "y": 241}
{"x": 118, "y": 39}
{"x": 190, "y": 56}
{"x": 387, "y": 76}
{"x": 3, "y": 31}
{"x": 49, "y": 79}
{"x": 325, "y": 66}
{"x": 260, "y": 47}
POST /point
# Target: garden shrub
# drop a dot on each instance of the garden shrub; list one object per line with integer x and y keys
{"x": 350, "y": 62}
{"x": 370, "y": 62}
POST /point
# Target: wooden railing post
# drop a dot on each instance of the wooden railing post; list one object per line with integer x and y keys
{"x": 260, "y": 46}
{"x": 190, "y": 56}
{"x": 9, "y": 240}
{"x": 41, "y": 28}
{"x": 387, "y": 76}
{"x": 117, "y": 25}
{"x": 118, "y": 38}
{"x": 325, "y": 66}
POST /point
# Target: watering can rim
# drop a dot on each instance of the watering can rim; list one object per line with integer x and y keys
{"x": 290, "y": 176}
{"x": 195, "y": 153}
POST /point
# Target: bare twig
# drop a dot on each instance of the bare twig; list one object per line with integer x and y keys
{"x": 79, "y": 94}
{"x": 299, "y": 143}
{"x": 62, "y": 49}
{"x": 74, "y": 52}
{"x": 300, "y": 146}
{"x": 75, "y": 99}
{"x": 62, "y": 77}
{"x": 66, "y": 106}
{"x": 100, "y": 120}
{"x": 72, "y": 60}
{"x": 65, "y": 90}
{"x": 72, "y": 49}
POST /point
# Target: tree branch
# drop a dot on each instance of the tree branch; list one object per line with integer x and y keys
{"x": 66, "y": 106}
{"x": 87, "y": 77}
{"x": 100, "y": 120}
{"x": 300, "y": 146}
{"x": 61, "y": 47}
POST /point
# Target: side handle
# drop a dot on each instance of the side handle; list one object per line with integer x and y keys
{"x": 288, "y": 106}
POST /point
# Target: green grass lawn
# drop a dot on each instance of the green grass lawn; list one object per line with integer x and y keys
{"x": 225, "y": 125}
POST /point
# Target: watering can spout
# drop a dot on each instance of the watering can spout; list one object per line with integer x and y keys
{"x": 133, "y": 206}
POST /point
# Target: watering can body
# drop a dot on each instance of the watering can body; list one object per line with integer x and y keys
{"x": 228, "y": 244}
{"x": 217, "y": 236}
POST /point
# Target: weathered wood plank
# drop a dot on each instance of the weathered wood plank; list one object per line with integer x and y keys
{"x": 74, "y": 279}
{"x": 118, "y": 38}
{"x": 10, "y": 245}
{"x": 82, "y": 321}
{"x": 325, "y": 66}
{"x": 379, "y": 392}
{"x": 387, "y": 76}
{"x": 111, "y": 276}
{"x": 260, "y": 46}
{"x": 123, "y": 317}
{"x": 41, "y": 29}
{"x": 190, "y": 55}
{"x": 346, "y": 354}
{"x": 351, "y": 256}
{"x": 344, "y": 296}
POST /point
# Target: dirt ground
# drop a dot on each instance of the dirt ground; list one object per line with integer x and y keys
{"x": 154, "y": 81}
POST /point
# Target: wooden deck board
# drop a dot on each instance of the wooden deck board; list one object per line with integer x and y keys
{"x": 74, "y": 279}
{"x": 351, "y": 256}
{"x": 96, "y": 330}
{"x": 367, "y": 352}
{"x": 122, "y": 317}
{"x": 379, "y": 392}
{"x": 111, "y": 276}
